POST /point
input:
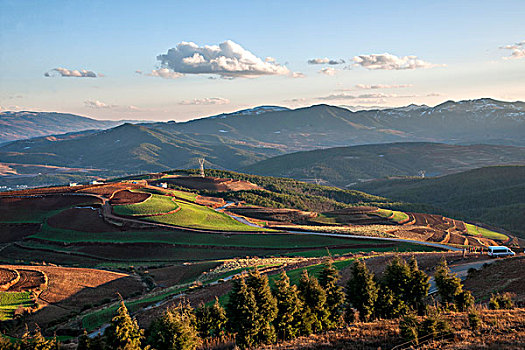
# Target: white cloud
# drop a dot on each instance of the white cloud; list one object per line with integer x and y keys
{"x": 372, "y": 96}
{"x": 227, "y": 60}
{"x": 387, "y": 61}
{"x": 382, "y": 86}
{"x": 64, "y": 72}
{"x": 97, "y": 104}
{"x": 206, "y": 101}
{"x": 297, "y": 75}
{"x": 164, "y": 73}
{"x": 518, "y": 50}
{"x": 325, "y": 61}
{"x": 328, "y": 71}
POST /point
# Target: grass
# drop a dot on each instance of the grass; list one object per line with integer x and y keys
{"x": 397, "y": 216}
{"x": 201, "y": 217}
{"x": 11, "y": 301}
{"x": 189, "y": 196}
{"x": 480, "y": 231}
{"x": 156, "y": 204}
{"x": 401, "y": 247}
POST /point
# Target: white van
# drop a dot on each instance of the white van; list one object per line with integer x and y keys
{"x": 497, "y": 251}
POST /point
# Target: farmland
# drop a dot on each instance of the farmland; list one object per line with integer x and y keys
{"x": 154, "y": 205}
{"x": 480, "y": 231}
{"x": 11, "y": 301}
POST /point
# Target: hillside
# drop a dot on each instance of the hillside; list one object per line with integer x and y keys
{"x": 351, "y": 166}
{"x": 25, "y": 124}
{"x": 492, "y": 195}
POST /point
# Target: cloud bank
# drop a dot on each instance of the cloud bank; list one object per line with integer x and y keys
{"x": 387, "y": 61}
{"x": 381, "y": 86}
{"x": 64, "y": 72}
{"x": 206, "y": 101}
{"x": 97, "y": 104}
{"x": 325, "y": 61}
{"x": 328, "y": 71}
{"x": 518, "y": 50}
{"x": 227, "y": 60}
{"x": 165, "y": 73}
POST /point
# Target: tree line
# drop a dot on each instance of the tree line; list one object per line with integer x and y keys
{"x": 257, "y": 313}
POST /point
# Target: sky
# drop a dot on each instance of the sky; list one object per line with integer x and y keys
{"x": 180, "y": 60}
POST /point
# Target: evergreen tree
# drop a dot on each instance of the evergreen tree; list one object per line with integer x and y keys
{"x": 362, "y": 291}
{"x": 397, "y": 288}
{"x": 123, "y": 332}
{"x": 448, "y": 284}
{"x": 175, "y": 330}
{"x": 335, "y": 295}
{"x": 241, "y": 311}
{"x": 464, "y": 300}
{"x": 389, "y": 305}
{"x": 313, "y": 296}
{"x": 211, "y": 320}
{"x": 419, "y": 287}
{"x": 266, "y": 306}
{"x": 289, "y": 307}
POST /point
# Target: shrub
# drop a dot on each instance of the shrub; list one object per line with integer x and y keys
{"x": 409, "y": 328}
{"x": 474, "y": 320}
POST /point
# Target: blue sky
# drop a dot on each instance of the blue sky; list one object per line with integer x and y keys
{"x": 458, "y": 49}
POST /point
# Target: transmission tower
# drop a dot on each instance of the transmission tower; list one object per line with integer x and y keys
{"x": 201, "y": 163}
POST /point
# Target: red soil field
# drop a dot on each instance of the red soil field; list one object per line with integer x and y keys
{"x": 14, "y": 208}
{"x": 81, "y": 219}
{"x": 210, "y": 183}
{"x": 273, "y": 214}
{"x": 210, "y": 201}
{"x": 44, "y": 190}
{"x": 29, "y": 280}
{"x": 7, "y": 278}
{"x": 108, "y": 190}
{"x": 127, "y": 197}
{"x": 12, "y": 232}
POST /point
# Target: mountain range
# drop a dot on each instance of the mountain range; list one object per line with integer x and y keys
{"x": 237, "y": 140}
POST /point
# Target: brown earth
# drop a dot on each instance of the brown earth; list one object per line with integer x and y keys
{"x": 81, "y": 219}
{"x": 213, "y": 202}
{"x": 43, "y": 190}
{"x": 109, "y": 189}
{"x": 279, "y": 215}
{"x": 172, "y": 275}
{"x": 209, "y": 183}
{"x": 504, "y": 275}
{"x": 362, "y": 215}
{"x": 127, "y": 197}
{"x": 500, "y": 329}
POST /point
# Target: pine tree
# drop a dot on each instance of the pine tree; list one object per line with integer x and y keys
{"x": 313, "y": 296}
{"x": 175, "y": 330}
{"x": 397, "y": 288}
{"x": 123, "y": 332}
{"x": 266, "y": 306}
{"x": 362, "y": 290}
{"x": 211, "y": 320}
{"x": 448, "y": 284}
{"x": 419, "y": 287}
{"x": 289, "y": 306}
{"x": 241, "y": 311}
{"x": 335, "y": 295}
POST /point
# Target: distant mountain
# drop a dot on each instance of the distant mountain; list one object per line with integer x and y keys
{"x": 349, "y": 166}
{"x": 25, "y": 124}
{"x": 238, "y": 139}
{"x": 492, "y": 195}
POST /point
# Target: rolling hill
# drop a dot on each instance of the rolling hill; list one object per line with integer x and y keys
{"x": 350, "y": 166}
{"x": 493, "y": 195}
{"x": 25, "y": 124}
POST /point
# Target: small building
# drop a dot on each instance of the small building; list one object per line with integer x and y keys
{"x": 73, "y": 184}
{"x": 96, "y": 182}
{"x": 164, "y": 184}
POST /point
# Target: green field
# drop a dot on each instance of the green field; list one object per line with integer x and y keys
{"x": 201, "y": 217}
{"x": 398, "y": 217}
{"x": 156, "y": 204}
{"x": 189, "y": 196}
{"x": 10, "y": 301}
{"x": 480, "y": 231}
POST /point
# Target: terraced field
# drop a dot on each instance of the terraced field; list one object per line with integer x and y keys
{"x": 396, "y": 216}
{"x": 483, "y": 232}
{"x": 10, "y": 302}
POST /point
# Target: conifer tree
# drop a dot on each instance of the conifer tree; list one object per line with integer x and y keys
{"x": 211, "y": 320}
{"x": 335, "y": 295}
{"x": 397, "y": 284}
{"x": 448, "y": 284}
{"x": 241, "y": 311}
{"x": 362, "y": 290}
{"x": 175, "y": 330}
{"x": 289, "y": 307}
{"x": 266, "y": 306}
{"x": 419, "y": 286}
{"x": 123, "y": 332}
{"x": 313, "y": 296}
